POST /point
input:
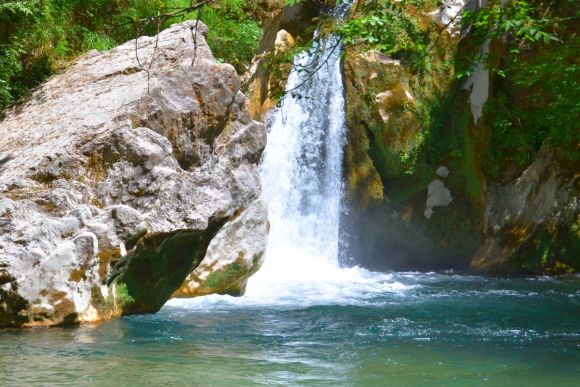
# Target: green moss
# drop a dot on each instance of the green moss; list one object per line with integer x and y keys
{"x": 225, "y": 278}
{"x": 159, "y": 264}
{"x": 123, "y": 296}
{"x": 115, "y": 303}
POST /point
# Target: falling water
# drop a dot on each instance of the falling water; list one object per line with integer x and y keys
{"x": 301, "y": 173}
{"x": 301, "y": 169}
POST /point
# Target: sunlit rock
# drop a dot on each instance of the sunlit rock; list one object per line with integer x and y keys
{"x": 284, "y": 41}
{"x": 533, "y": 222}
{"x": 234, "y": 254}
{"x": 116, "y": 175}
{"x": 449, "y": 15}
{"x": 375, "y": 56}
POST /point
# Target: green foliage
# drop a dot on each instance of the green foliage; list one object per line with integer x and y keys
{"x": 391, "y": 28}
{"x": 516, "y": 20}
{"x": 537, "y": 98}
{"x": 518, "y": 23}
{"x": 233, "y": 33}
{"x": 540, "y": 103}
{"x": 117, "y": 298}
{"x": 38, "y": 37}
{"x": 16, "y": 10}
{"x": 96, "y": 40}
{"x": 123, "y": 296}
{"x": 227, "y": 277}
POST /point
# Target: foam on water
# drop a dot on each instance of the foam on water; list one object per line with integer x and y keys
{"x": 348, "y": 286}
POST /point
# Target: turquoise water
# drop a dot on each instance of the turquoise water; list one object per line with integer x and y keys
{"x": 407, "y": 329}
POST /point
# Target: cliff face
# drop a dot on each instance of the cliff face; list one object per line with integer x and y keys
{"x": 421, "y": 170}
{"x": 282, "y": 27}
{"x": 117, "y": 175}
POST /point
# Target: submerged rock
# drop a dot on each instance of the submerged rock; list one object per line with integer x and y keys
{"x": 117, "y": 174}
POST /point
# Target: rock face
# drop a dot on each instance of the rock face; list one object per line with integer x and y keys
{"x": 116, "y": 176}
{"x": 405, "y": 211}
{"x": 533, "y": 222}
{"x": 423, "y": 190}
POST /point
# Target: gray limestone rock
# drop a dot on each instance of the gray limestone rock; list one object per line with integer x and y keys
{"x": 114, "y": 163}
{"x": 534, "y": 218}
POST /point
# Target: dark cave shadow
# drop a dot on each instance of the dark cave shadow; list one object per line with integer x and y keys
{"x": 3, "y": 161}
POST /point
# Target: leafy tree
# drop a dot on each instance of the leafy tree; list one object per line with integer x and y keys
{"x": 37, "y": 37}
{"x": 536, "y": 100}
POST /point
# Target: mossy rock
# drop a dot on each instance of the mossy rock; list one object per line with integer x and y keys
{"x": 159, "y": 265}
{"x": 402, "y": 138}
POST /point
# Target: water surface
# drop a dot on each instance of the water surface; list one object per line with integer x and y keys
{"x": 380, "y": 330}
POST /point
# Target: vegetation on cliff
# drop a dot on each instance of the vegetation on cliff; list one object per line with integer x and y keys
{"x": 408, "y": 116}
{"x": 38, "y": 37}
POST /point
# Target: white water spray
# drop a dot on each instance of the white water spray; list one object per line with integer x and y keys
{"x": 302, "y": 171}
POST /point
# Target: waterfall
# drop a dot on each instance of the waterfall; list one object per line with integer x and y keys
{"x": 302, "y": 183}
{"x": 301, "y": 170}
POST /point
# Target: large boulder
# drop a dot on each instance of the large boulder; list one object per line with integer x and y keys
{"x": 117, "y": 174}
